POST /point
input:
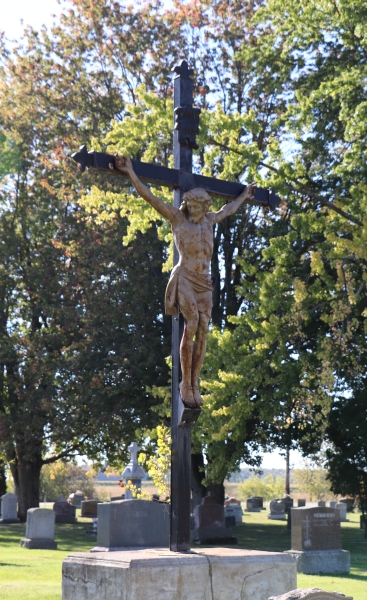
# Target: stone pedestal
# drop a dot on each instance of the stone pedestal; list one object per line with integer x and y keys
{"x": 211, "y": 573}
{"x": 313, "y": 562}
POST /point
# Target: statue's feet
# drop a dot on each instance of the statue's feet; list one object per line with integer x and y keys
{"x": 197, "y": 396}
{"x": 187, "y": 395}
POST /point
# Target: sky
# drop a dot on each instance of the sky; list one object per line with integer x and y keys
{"x": 38, "y": 13}
{"x": 33, "y": 12}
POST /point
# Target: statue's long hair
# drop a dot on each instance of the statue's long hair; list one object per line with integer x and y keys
{"x": 197, "y": 194}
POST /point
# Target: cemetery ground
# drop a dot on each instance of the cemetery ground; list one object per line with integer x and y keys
{"x": 36, "y": 574}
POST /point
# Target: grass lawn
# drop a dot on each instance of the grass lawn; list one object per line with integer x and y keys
{"x": 36, "y": 574}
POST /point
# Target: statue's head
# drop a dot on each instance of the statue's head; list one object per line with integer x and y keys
{"x": 195, "y": 202}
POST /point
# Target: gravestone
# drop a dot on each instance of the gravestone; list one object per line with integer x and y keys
{"x": 230, "y": 521}
{"x": 89, "y": 509}
{"x": 333, "y": 503}
{"x": 132, "y": 524}
{"x": 301, "y": 502}
{"x": 40, "y": 530}
{"x": 349, "y": 502}
{"x": 316, "y": 541}
{"x": 321, "y": 503}
{"x": 343, "y": 510}
{"x": 252, "y": 505}
{"x": 76, "y": 498}
{"x": 133, "y": 471}
{"x": 260, "y": 501}
{"x": 231, "y": 500}
{"x": 311, "y": 594}
{"x": 210, "y": 524}
{"x": 235, "y": 511}
{"x": 64, "y": 511}
{"x": 9, "y": 509}
{"x": 277, "y": 510}
{"x": 288, "y": 502}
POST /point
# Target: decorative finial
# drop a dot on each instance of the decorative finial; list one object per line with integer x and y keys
{"x": 82, "y": 157}
{"x": 183, "y": 70}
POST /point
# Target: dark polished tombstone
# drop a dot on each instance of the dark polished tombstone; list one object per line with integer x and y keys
{"x": 64, "y": 511}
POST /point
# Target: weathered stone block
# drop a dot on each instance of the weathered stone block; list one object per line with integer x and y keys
{"x": 220, "y": 573}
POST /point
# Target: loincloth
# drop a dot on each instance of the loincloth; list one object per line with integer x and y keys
{"x": 196, "y": 288}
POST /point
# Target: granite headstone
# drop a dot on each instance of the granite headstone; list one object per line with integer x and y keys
{"x": 9, "y": 509}
{"x": 277, "y": 510}
{"x": 132, "y": 524}
{"x": 40, "y": 530}
{"x": 209, "y": 522}
{"x": 316, "y": 540}
{"x": 235, "y": 511}
{"x": 64, "y": 511}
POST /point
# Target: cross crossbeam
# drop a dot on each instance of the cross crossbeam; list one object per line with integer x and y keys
{"x": 174, "y": 178}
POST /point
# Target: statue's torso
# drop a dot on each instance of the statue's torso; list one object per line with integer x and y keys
{"x": 194, "y": 241}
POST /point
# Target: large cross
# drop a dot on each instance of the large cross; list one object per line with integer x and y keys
{"x": 180, "y": 179}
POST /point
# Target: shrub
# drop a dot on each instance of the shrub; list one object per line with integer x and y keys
{"x": 61, "y": 479}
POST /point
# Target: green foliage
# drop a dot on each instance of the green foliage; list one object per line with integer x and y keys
{"x": 62, "y": 479}
{"x": 269, "y": 487}
{"x": 313, "y": 479}
{"x": 158, "y": 464}
{"x": 347, "y": 457}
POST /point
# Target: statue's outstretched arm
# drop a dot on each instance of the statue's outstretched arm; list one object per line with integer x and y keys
{"x": 231, "y": 207}
{"x": 123, "y": 163}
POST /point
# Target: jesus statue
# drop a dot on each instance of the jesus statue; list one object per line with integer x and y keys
{"x": 189, "y": 289}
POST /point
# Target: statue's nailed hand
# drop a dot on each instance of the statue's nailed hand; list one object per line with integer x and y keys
{"x": 123, "y": 163}
{"x": 249, "y": 191}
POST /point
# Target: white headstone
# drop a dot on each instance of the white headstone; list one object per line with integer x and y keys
{"x": 235, "y": 511}
{"x": 9, "y": 508}
{"x": 343, "y": 510}
{"x": 40, "y": 529}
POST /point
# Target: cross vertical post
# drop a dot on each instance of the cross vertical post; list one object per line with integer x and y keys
{"x": 181, "y": 436}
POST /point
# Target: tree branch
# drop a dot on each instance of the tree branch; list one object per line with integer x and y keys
{"x": 304, "y": 190}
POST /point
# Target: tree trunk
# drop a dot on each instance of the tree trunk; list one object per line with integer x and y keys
{"x": 287, "y": 472}
{"x": 27, "y": 484}
{"x": 217, "y": 490}
{"x": 2, "y": 478}
{"x": 197, "y": 475}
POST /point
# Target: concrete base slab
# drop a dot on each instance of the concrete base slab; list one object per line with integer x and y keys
{"x": 277, "y": 517}
{"x": 38, "y": 544}
{"x": 207, "y": 574}
{"x": 313, "y": 562}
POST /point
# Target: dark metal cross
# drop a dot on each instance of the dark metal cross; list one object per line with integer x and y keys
{"x": 181, "y": 179}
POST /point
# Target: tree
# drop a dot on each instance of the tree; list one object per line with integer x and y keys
{"x": 347, "y": 456}
{"x": 312, "y": 479}
{"x": 62, "y": 479}
{"x": 269, "y": 487}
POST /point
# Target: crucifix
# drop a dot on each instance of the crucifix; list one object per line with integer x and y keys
{"x": 188, "y": 295}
